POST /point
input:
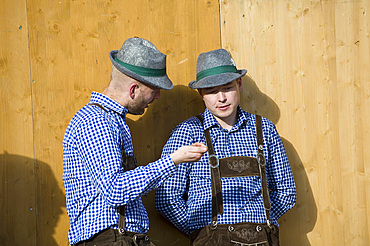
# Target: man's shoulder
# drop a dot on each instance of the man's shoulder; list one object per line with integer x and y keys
{"x": 191, "y": 123}
{"x": 193, "y": 120}
{"x": 87, "y": 113}
{"x": 188, "y": 127}
{"x": 252, "y": 118}
{"x": 88, "y": 117}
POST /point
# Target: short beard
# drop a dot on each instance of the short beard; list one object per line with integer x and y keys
{"x": 136, "y": 112}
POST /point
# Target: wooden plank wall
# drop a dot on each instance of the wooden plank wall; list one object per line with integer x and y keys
{"x": 308, "y": 67}
{"x": 308, "y": 64}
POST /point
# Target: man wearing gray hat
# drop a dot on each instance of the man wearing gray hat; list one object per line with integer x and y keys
{"x": 236, "y": 192}
{"x": 102, "y": 182}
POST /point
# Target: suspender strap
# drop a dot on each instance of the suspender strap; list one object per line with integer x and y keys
{"x": 217, "y": 203}
{"x": 128, "y": 163}
{"x": 262, "y": 164}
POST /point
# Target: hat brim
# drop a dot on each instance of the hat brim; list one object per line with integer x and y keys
{"x": 217, "y": 80}
{"x": 162, "y": 82}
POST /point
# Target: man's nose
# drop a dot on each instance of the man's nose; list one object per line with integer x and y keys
{"x": 221, "y": 96}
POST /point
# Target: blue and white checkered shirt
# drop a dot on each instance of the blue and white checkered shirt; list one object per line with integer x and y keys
{"x": 94, "y": 180}
{"x": 185, "y": 198}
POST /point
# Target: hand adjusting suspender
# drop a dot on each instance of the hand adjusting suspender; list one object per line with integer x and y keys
{"x": 214, "y": 162}
{"x": 128, "y": 163}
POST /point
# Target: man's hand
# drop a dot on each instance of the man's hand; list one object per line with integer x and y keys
{"x": 188, "y": 153}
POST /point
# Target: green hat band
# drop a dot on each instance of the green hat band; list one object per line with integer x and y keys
{"x": 216, "y": 70}
{"x": 143, "y": 71}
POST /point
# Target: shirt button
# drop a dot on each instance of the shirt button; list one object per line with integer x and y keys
{"x": 241, "y": 209}
{"x": 170, "y": 175}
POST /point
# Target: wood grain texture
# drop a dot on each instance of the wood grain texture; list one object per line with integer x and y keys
{"x": 17, "y": 171}
{"x": 308, "y": 67}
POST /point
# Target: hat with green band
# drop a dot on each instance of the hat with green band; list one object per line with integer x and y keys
{"x": 140, "y": 59}
{"x": 215, "y": 68}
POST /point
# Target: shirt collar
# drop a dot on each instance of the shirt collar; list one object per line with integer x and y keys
{"x": 243, "y": 117}
{"x": 209, "y": 119}
{"x": 108, "y": 103}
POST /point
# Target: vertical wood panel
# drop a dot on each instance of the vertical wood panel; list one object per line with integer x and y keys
{"x": 17, "y": 186}
{"x": 52, "y": 70}
{"x": 352, "y": 43}
{"x": 308, "y": 63}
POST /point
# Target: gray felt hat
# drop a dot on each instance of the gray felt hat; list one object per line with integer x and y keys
{"x": 140, "y": 59}
{"x": 215, "y": 68}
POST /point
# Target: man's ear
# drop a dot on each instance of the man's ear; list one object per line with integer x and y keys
{"x": 239, "y": 83}
{"x": 133, "y": 88}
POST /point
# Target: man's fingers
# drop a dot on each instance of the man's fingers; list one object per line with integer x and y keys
{"x": 198, "y": 147}
{"x": 189, "y": 153}
{"x": 198, "y": 144}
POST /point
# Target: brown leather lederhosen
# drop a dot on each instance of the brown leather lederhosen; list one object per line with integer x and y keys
{"x": 245, "y": 233}
{"x": 119, "y": 237}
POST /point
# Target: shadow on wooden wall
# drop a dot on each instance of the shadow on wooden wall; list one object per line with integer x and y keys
{"x": 305, "y": 209}
{"x": 26, "y": 221}
{"x": 254, "y": 101}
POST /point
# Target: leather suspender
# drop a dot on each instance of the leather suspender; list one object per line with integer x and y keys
{"x": 217, "y": 203}
{"x": 128, "y": 163}
{"x": 262, "y": 164}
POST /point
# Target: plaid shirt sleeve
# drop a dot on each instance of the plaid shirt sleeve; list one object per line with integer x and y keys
{"x": 170, "y": 196}
{"x": 279, "y": 174}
